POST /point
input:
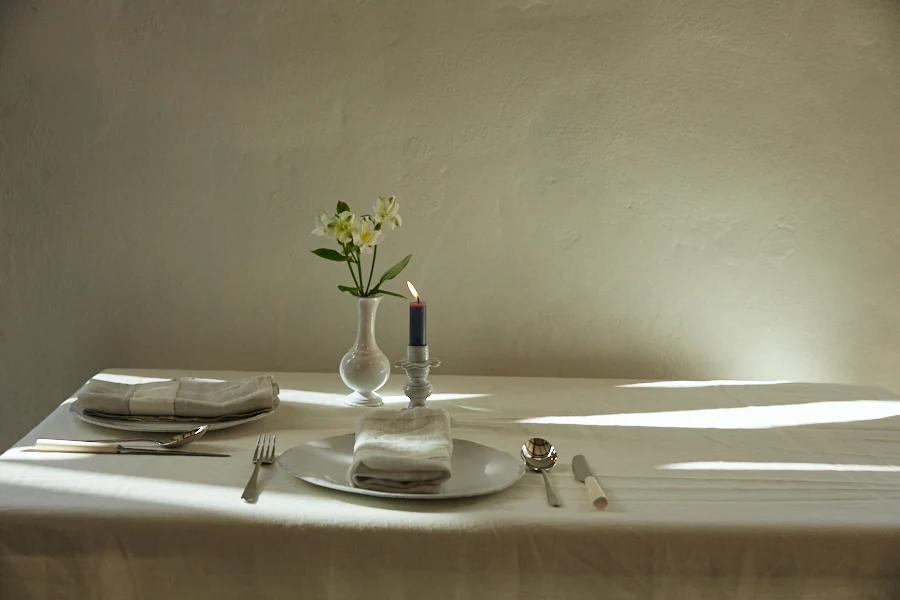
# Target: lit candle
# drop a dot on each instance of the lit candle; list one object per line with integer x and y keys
{"x": 416, "y": 319}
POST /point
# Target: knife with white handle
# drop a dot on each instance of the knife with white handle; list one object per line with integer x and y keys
{"x": 583, "y": 473}
{"x": 46, "y": 445}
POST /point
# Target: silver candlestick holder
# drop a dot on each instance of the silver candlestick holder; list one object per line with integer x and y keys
{"x": 417, "y": 365}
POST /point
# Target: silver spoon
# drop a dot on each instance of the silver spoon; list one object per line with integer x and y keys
{"x": 176, "y": 441}
{"x": 540, "y": 455}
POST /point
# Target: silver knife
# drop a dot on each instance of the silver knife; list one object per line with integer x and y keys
{"x": 583, "y": 473}
{"x": 45, "y": 445}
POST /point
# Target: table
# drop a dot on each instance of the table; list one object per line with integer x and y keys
{"x": 717, "y": 490}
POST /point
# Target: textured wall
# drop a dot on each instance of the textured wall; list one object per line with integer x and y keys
{"x": 679, "y": 189}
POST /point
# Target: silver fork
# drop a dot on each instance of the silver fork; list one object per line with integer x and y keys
{"x": 263, "y": 455}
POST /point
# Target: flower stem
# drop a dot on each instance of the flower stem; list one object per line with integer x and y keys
{"x": 359, "y": 269}
{"x": 371, "y": 270}
{"x": 354, "y": 277}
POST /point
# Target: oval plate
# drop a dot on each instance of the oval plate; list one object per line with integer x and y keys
{"x": 162, "y": 426}
{"x": 477, "y": 469}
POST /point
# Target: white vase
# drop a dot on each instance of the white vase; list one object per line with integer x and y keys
{"x": 365, "y": 368}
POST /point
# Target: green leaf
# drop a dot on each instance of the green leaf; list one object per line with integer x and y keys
{"x": 330, "y": 254}
{"x": 342, "y": 206}
{"x": 394, "y": 271}
{"x": 349, "y": 290}
{"x": 387, "y": 293}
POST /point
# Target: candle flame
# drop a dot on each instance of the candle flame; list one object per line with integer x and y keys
{"x": 412, "y": 290}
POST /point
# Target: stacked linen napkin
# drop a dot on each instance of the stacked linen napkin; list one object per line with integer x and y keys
{"x": 402, "y": 451}
{"x": 179, "y": 399}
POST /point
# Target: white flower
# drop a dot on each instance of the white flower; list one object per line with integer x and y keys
{"x": 366, "y": 236}
{"x": 344, "y": 225}
{"x": 325, "y": 225}
{"x": 386, "y": 208}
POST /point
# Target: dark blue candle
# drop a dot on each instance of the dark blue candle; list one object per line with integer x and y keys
{"x": 416, "y": 319}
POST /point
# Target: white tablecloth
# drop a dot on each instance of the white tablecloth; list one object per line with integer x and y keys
{"x": 717, "y": 490}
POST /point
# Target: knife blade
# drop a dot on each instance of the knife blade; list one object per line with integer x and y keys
{"x": 163, "y": 452}
{"x": 47, "y": 445}
{"x": 583, "y": 473}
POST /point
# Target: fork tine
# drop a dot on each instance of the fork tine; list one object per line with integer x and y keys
{"x": 256, "y": 452}
{"x": 270, "y": 456}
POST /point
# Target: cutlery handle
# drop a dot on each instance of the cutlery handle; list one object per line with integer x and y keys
{"x": 595, "y": 493}
{"x": 250, "y": 492}
{"x": 552, "y": 496}
{"x": 45, "y": 445}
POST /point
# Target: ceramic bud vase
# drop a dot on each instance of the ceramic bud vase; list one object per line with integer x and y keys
{"x": 365, "y": 368}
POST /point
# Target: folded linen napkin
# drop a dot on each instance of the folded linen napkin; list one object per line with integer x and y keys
{"x": 402, "y": 451}
{"x": 184, "y": 399}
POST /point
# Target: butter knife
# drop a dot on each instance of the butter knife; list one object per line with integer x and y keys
{"x": 583, "y": 473}
{"x": 45, "y": 445}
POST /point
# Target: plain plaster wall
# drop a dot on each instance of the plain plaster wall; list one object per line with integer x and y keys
{"x": 679, "y": 189}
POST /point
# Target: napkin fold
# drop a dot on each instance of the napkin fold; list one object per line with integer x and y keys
{"x": 402, "y": 451}
{"x": 184, "y": 399}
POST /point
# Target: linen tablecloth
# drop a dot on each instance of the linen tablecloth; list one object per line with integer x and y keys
{"x": 717, "y": 490}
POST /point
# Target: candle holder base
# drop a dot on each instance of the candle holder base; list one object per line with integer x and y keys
{"x": 417, "y": 365}
{"x": 370, "y": 399}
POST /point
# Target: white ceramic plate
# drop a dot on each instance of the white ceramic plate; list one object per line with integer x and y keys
{"x": 477, "y": 469}
{"x": 161, "y": 426}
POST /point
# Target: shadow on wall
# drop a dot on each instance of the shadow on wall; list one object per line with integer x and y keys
{"x": 577, "y": 363}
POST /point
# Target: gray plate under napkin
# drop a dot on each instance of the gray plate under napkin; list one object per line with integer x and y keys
{"x": 184, "y": 399}
{"x": 402, "y": 451}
